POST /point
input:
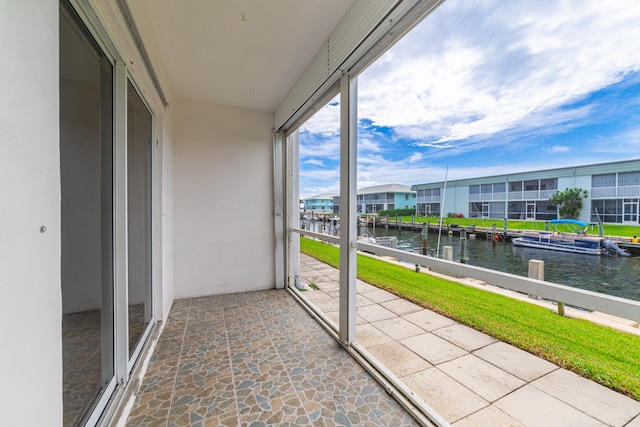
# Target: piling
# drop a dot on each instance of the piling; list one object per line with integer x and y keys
{"x": 425, "y": 234}
{"x": 463, "y": 246}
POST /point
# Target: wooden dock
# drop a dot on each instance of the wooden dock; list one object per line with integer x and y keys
{"x": 479, "y": 232}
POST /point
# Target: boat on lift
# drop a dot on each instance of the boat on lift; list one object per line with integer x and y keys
{"x": 574, "y": 241}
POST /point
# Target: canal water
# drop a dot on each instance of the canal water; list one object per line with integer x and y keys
{"x": 618, "y": 276}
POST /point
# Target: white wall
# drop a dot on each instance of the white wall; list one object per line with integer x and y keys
{"x": 223, "y": 193}
{"x": 164, "y": 239}
{"x": 30, "y": 306}
{"x": 584, "y": 182}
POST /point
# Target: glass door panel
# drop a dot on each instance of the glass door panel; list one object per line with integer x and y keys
{"x": 86, "y": 173}
{"x": 139, "y": 155}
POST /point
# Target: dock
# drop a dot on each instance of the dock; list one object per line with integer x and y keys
{"x": 471, "y": 230}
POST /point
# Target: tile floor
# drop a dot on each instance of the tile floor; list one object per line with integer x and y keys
{"x": 82, "y": 357}
{"x": 256, "y": 359}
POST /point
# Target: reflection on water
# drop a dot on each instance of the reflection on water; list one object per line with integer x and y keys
{"x": 618, "y": 276}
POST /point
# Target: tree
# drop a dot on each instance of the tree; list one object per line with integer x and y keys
{"x": 569, "y": 202}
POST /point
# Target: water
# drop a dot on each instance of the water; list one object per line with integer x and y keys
{"x": 618, "y": 276}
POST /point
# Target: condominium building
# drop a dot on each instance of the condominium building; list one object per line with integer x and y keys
{"x": 320, "y": 203}
{"x": 372, "y": 200}
{"x": 613, "y": 194}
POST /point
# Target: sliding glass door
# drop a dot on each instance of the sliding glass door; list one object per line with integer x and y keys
{"x": 139, "y": 155}
{"x": 106, "y": 157}
{"x": 86, "y": 170}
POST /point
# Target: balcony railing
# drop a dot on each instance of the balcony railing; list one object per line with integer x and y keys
{"x": 610, "y": 192}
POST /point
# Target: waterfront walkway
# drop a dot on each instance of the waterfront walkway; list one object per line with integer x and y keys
{"x": 467, "y": 377}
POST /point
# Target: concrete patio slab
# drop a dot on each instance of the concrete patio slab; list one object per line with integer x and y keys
{"x": 401, "y": 307}
{"x": 635, "y": 422}
{"x": 523, "y": 365}
{"x": 398, "y": 359}
{"x": 428, "y": 320}
{"x": 533, "y": 407}
{"x": 445, "y": 395}
{"x": 398, "y": 328}
{"x": 465, "y": 337}
{"x": 326, "y": 286}
{"x": 380, "y": 295}
{"x": 489, "y": 416}
{"x": 433, "y": 349}
{"x": 593, "y": 399}
{"x": 317, "y": 295}
{"x": 335, "y": 316}
{"x": 325, "y": 278}
{"x": 487, "y": 381}
{"x": 369, "y": 336}
{"x": 364, "y": 287}
{"x": 326, "y": 306}
{"x": 362, "y": 300}
{"x": 375, "y": 312}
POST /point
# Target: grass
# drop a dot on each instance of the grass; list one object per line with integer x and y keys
{"x": 609, "y": 229}
{"x": 601, "y": 354}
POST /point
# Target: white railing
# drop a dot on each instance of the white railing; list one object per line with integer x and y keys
{"x": 589, "y": 300}
{"x": 603, "y": 192}
{"x": 632, "y": 191}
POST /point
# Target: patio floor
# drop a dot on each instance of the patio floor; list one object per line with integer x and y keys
{"x": 258, "y": 358}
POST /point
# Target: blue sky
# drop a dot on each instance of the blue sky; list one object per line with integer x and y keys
{"x": 490, "y": 87}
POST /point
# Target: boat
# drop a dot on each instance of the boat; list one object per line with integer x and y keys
{"x": 633, "y": 248}
{"x": 576, "y": 242}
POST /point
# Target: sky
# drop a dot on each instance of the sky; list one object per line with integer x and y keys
{"x": 482, "y": 88}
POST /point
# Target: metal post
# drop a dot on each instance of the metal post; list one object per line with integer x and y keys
{"x": 463, "y": 246}
{"x": 505, "y": 229}
{"x": 348, "y": 208}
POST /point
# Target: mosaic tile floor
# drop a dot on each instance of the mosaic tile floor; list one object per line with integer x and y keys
{"x": 82, "y": 357}
{"x": 256, "y": 359}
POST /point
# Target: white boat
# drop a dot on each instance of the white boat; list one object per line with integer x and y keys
{"x": 578, "y": 242}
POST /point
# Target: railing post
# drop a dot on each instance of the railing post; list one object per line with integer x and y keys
{"x": 536, "y": 271}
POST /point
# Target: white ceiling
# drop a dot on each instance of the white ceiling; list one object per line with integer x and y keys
{"x": 244, "y": 53}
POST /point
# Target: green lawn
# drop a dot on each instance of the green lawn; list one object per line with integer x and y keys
{"x": 604, "y": 355}
{"x": 512, "y": 224}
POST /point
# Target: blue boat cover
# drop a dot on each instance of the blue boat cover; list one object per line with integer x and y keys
{"x": 569, "y": 221}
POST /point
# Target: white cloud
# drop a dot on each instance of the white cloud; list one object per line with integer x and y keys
{"x": 558, "y": 149}
{"x": 314, "y": 162}
{"x": 464, "y": 74}
{"x": 415, "y": 157}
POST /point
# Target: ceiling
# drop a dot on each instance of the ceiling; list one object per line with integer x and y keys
{"x": 244, "y": 53}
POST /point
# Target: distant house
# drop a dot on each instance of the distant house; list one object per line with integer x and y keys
{"x": 613, "y": 194}
{"x": 372, "y": 200}
{"x": 321, "y": 203}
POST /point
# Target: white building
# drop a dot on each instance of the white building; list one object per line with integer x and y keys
{"x": 613, "y": 193}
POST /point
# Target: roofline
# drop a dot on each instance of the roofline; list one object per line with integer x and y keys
{"x": 567, "y": 171}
